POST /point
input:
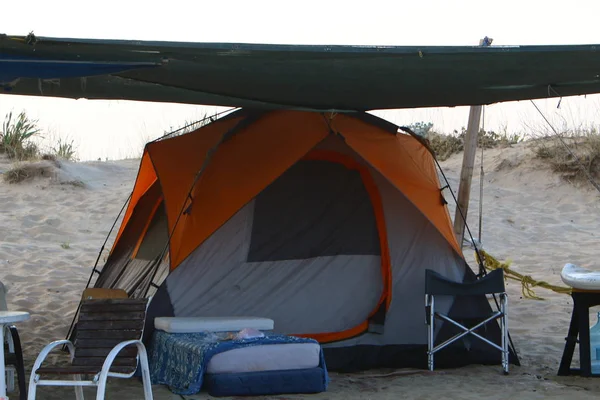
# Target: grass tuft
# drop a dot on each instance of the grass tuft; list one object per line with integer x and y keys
{"x": 19, "y": 141}
{"x": 64, "y": 149}
{"x": 16, "y": 137}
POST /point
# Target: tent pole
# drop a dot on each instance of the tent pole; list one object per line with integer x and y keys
{"x": 466, "y": 173}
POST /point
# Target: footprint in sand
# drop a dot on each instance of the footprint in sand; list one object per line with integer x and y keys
{"x": 32, "y": 220}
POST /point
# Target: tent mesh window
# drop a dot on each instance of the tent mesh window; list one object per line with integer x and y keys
{"x": 315, "y": 209}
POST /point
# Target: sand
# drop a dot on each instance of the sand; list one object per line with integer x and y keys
{"x": 53, "y": 228}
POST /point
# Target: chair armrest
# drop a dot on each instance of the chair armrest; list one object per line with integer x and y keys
{"x": 141, "y": 351}
{"x": 49, "y": 347}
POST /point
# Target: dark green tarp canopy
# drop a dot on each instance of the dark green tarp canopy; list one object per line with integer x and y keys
{"x": 342, "y": 78}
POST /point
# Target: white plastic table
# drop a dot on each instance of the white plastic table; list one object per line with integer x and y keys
{"x": 7, "y": 318}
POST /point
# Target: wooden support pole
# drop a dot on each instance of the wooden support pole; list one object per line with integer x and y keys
{"x": 466, "y": 173}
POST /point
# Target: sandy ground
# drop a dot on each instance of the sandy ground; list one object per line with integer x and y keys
{"x": 52, "y": 231}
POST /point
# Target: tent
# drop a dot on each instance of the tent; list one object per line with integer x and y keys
{"x": 324, "y": 222}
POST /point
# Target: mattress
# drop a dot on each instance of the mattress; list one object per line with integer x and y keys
{"x": 211, "y": 324}
{"x": 180, "y": 360}
{"x": 313, "y": 380}
{"x": 269, "y": 357}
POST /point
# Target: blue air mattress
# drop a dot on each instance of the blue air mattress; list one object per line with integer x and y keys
{"x": 264, "y": 383}
{"x": 180, "y": 360}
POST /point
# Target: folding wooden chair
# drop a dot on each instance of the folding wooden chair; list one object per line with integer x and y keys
{"x": 107, "y": 344}
{"x": 437, "y": 285}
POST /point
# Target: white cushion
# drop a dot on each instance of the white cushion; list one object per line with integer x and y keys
{"x": 211, "y": 324}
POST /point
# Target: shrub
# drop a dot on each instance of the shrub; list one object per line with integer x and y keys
{"x": 445, "y": 145}
{"x": 573, "y": 157}
{"x": 24, "y": 172}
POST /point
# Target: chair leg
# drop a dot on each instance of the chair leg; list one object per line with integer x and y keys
{"x": 21, "y": 380}
{"x": 430, "y": 333}
{"x": 585, "y": 359}
{"x": 14, "y": 333}
{"x": 10, "y": 378}
{"x": 504, "y": 331}
{"x": 101, "y": 391}
{"x": 78, "y": 389}
{"x": 145, "y": 373}
{"x": 564, "y": 368}
{"x": 32, "y": 386}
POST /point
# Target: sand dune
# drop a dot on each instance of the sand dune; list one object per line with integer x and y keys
{"x": 52, "y": 231}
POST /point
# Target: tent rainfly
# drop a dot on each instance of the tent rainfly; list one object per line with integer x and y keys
{"x": 299, "y": 77}
{"x": 323, "y": 222}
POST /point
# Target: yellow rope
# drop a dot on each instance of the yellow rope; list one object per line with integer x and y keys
{"x": 527, "y": 282}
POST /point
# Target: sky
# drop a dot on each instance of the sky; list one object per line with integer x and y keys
{"x": 118, "y": 129}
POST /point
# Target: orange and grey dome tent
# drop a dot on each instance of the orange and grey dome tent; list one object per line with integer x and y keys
{"x": 323, "y": 222}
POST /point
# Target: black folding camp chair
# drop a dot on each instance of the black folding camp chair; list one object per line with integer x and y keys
{"x": 438, "y": 285}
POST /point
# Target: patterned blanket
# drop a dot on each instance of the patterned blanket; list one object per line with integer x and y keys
{"x": 179, "y": 360}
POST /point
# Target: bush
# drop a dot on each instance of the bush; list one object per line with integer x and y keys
{"x": 24, "y": 172}
{"x": 17, "y": 135}
{"x": 421, "y": 128}
{"x": 444, "y": 145}
{"x": 491, "y": 139}
{"x": 576, "y": 156}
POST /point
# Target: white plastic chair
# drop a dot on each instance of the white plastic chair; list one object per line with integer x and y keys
{"x": 14, "y": 354}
